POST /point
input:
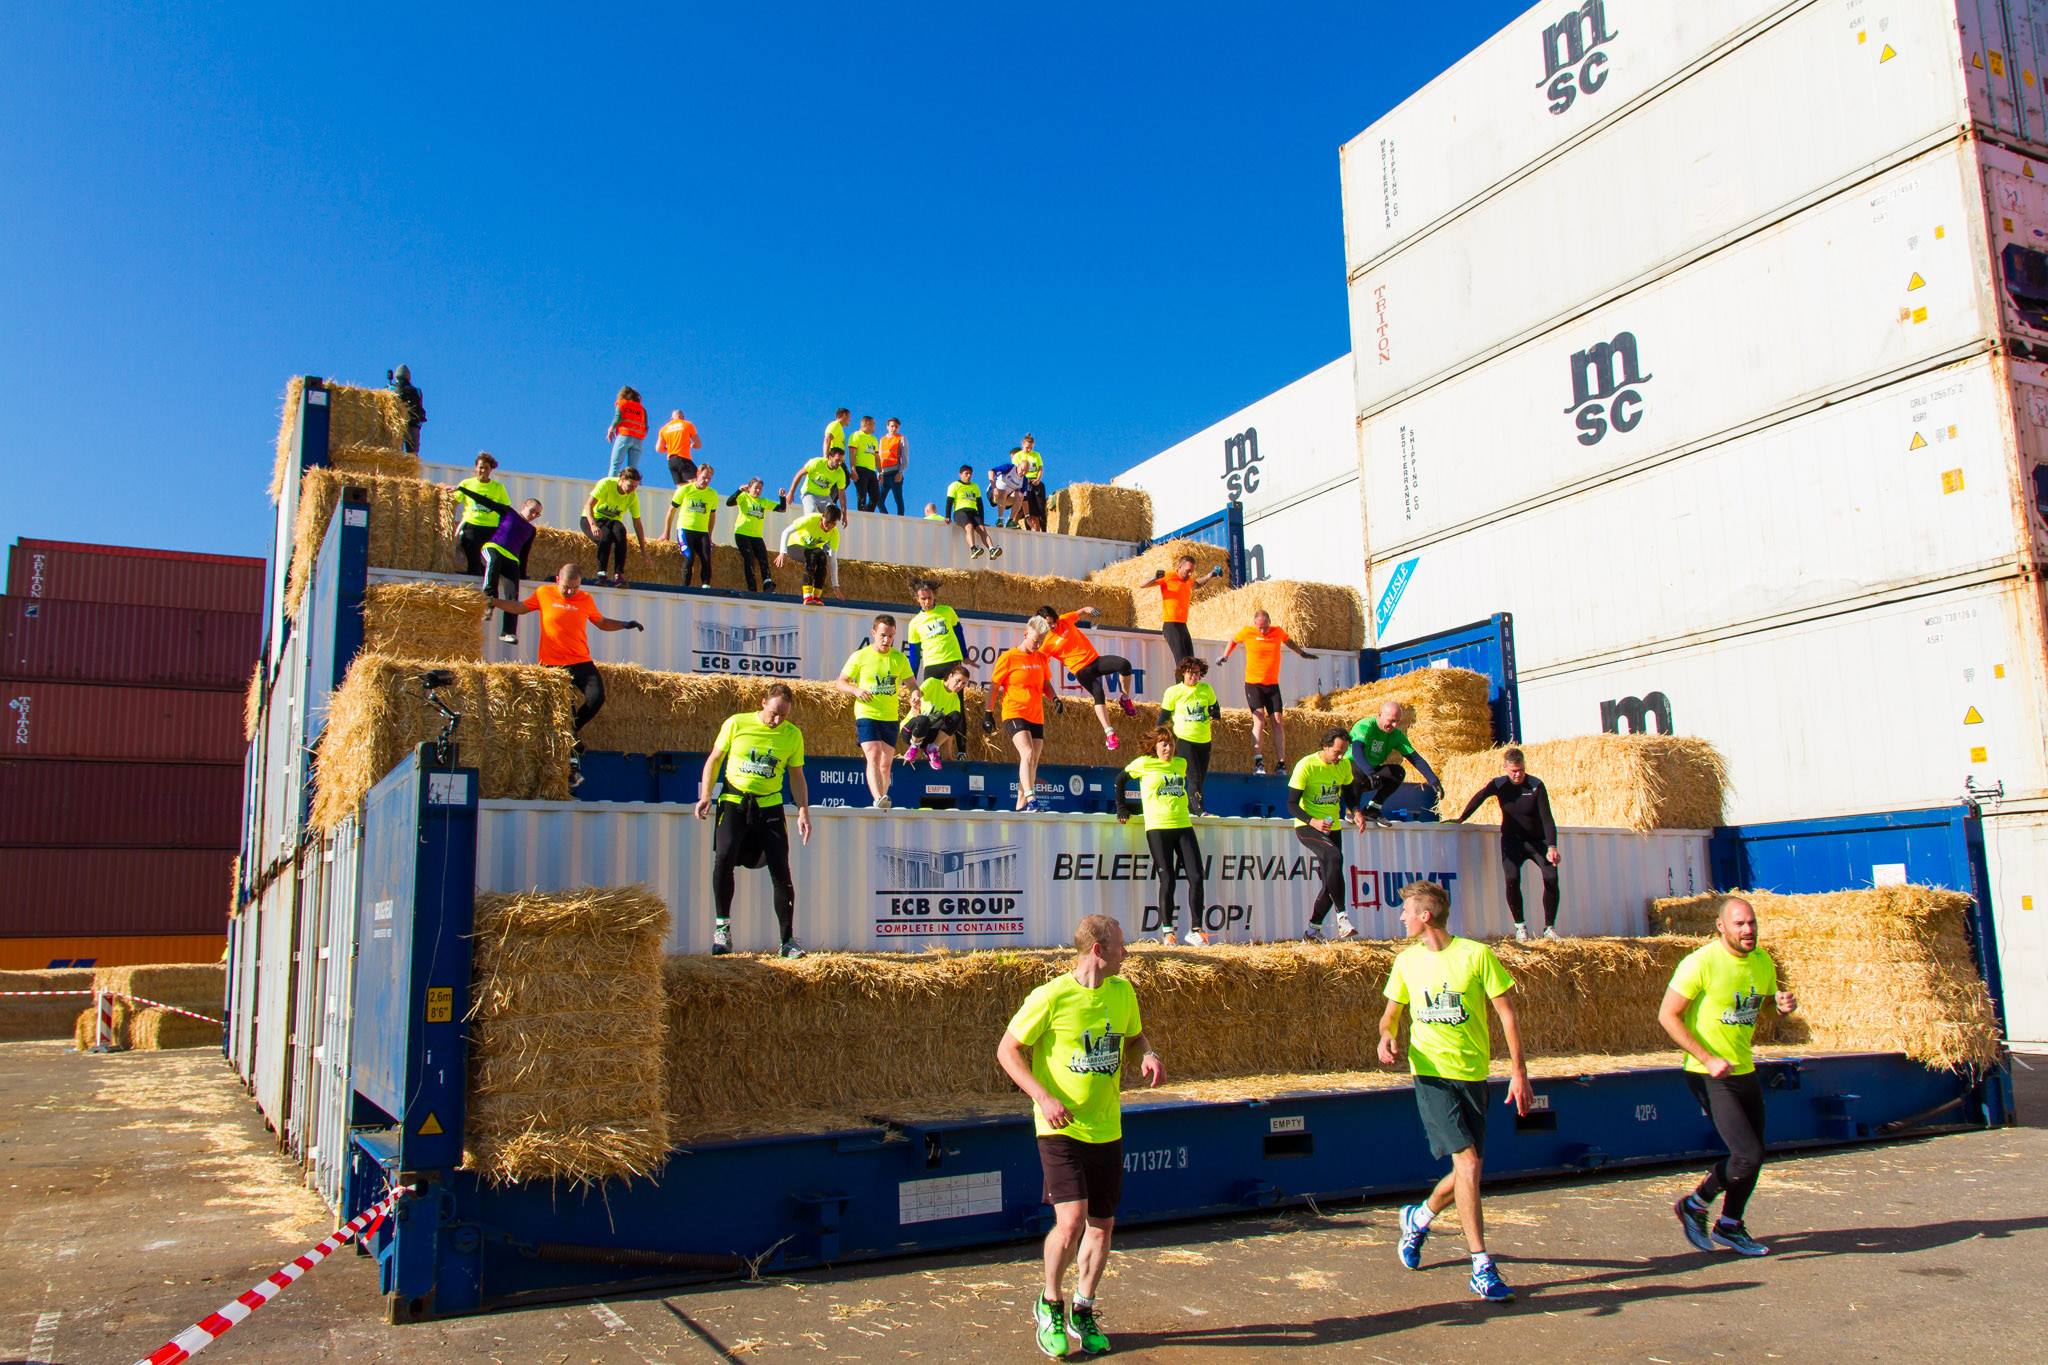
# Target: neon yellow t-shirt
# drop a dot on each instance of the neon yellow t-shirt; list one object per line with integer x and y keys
{"x": 864, "y": 448}
{"x": 961, "y": 494}
{"x": 1076, "y": 1036}
{"x": 880, "y": 674}
{"x": 1727, "y": 994}
{"x": 1321, "y": 786}
{"x": 835, "y": 435}
{"x": 1446, "y": 994}
{"x": 475, "y": 513}
{"x": 939, "y": 699}
{"x": 1163, "y": 788}
{"x": 933, "y": 632}
{"x": 935, "y": 516}
{"x": 1189, "y": 707}
{"x": 612, "y": 503}
{"x": 809, "y": 533}
{"x": 1029, "y": 463}
{"x": 698, "y": 504}
{"x": 821, "y": 480}
{"x": 752, "y": 509}
{"x": 756, "y": 757}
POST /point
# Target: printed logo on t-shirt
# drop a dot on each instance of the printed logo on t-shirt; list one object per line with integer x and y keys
{"x": 1327, "y": 793}
{"x": 1744, "y": 1010}
{"x": 1102, "y": 1056}
{"x": 758, "y": 763}
{"x": 1442, "y": 1007}
{"x": 1173, "y": 786}
{"x": 1194, "y": 711}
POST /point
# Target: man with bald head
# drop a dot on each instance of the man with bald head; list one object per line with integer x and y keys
{"x": 1710, "y": 1010}
{"x": 1378, "y": 746}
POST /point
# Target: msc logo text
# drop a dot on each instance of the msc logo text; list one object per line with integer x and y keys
{"x": 1573, "y": 63}
{"x": 1241, "y": 464}
{"x": 1607, "y": 382}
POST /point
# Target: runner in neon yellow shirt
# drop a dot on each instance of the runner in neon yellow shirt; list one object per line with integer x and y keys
{"x": 1065, "y": 1050}
{"x": 938, "y": 713}
{"x": 872, "y": 675}
{"x": 1315, "y": 798}
{"x": 1443, "y": 982}
{"x": 1169, "y": 833}
{"x": 821, "y": 483}
{"x": 816, "y": 538}
{"x": 864, "y": 449}
{"x": 963, "y": 509}
{"x": 478, "y": 520}
{"x": 755, "y": 753}
{"x": 693, "y": 513}
{"x": 936, "y": 642}
{"x": 749, "y": 532}
{"x": 1192, "y": 704}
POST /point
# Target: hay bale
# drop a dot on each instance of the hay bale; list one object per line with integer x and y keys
{"x": 364, "y": 417}
{"x": 287, "y": 427}
{"x": 660, "y": 562}
{"x": 1016, "y": 594}
{"x": 1102, "y": 510}
{"x": 252, "y": 703}
{"x": 41, "y": 1016}
{"x": 201, "y": 986}
{"x": 567, "y": 1034}
{"x": 1605, "y": 781}
{"x": 412, "y": 524}
{"x": 424, "y": 621}
{"x": 647, "y": 711}
{"x": 154, "y": 1030}
{"x": 1316, "y": 615}
{"x": 1445, "y": 710}
{"x": 516, "y": 729}
{"x": 1134, "y": 575}
{"x": 377, "y": 460}
{"x": 85, "y": 1028}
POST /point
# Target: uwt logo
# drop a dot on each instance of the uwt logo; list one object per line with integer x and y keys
{"x": 1241, "y": 464}
{"x": 1573, "y": 63}
{"x": 19, "y": 706}
{"x": 772, "y": 651}
{"x": 1380, "y": 888}
{"x": 1607, "y": 381}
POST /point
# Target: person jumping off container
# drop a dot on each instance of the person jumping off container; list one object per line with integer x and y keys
{"x": 893, "y": 460}
{"x": 693, "y": 515}
{"x": 1315, "y": 798}
{"x": 874, "y": 674}
{"x": 677, "y": 441}
{"x": 1031, "y": 468}
{"x": 1710, "y": 1010}
{"x": 566, "y": 613}
{"x": 1065, "y": 1050}
{"x": 1528, "y": 833}
{"x": 746, "y": 532}
{"x": 963, "y": 509}
{"x": 935, "y": 639}
{"x": 505, "y": 552}
{"x": 863, "y": 451}
{"x": 478, "y": 520}
{"x": 414, "y": 404}
{"x": 1065, "y": 641}
{"x": 758, "y": 750}
{"x": 1169, "y": 833}
{"x": 1192, "y": 704}
{"x": 816, "y": 538}
{"x": 612, "y": 500}
{"x": 938, "y": 713}
{"x": 821, "y": 483}
{"x": 1176, "y": 598}
{"x": 1441, "y": 980}
{"x": 1378, "y": 745}
{"x": 627, "y": 431}
{"x": 1006, "y": 491}
{"x": 1262, "y": 641}
{"x": 1023, "y": 677}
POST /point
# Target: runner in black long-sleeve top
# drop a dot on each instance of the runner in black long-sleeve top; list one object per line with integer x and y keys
{"x": 1528, "y": 832}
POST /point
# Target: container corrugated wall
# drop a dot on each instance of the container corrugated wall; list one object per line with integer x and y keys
{"x": 107, "y": 950}
{"x": 271, "y": 1023}
{"x": 2016, "y": 859}
{"x": 69, "y": 892}
{"x": 106, "y": 642}
{"x": 54, "y": 570}
{"x": 59, "y": 803}
{"x": 154, "y": 724}
{"x": 331, "y": 1015}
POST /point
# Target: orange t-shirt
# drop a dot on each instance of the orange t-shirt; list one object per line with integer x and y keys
{"x": 891, "y": 452}
{"x": 564, "y": 624}
{"x": 1261, "y": 655}
{"x": 1023, "y": 674}
{"x": 1175, "y": 594}
{"x": 1066, "y": 643}
{"x": 677, "y": 438}
{"x": 632, "y": 419}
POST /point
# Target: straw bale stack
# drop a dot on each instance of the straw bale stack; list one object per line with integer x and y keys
{"x": 85, "y": 1028}
{"x": 567, "y": 1033}
{"x": 201, "y": 986}
{"x": 41, "y": 1017}
{"x": 412, "y": 524}
{"x": 1606, "y": 781}
{"x": 252, "y": 703}
{"x": 287, "y": 424}
{"x": 378, "y": 460}
{"x": 154, "y": 1030}
{"x": 1134, "y": 575}
{"x": 1103, "y": 510}
{"x": 364, "y": 417}
{"x": 1015, "y": 594}
{"x": 424, "y": 621}
{"x": 1445, "y": 710}
{"x": 1887, "y": 969}
{"x": 1314, "y": 615}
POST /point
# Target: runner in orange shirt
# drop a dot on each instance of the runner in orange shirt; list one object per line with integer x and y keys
{"x": 1088, "y": 666}
{"x": 678, "y": 440}
{"x": 1262, "y": 640}
{"x": 566, "y": 614}
{"x": 1023, "y": 681}
{"x": 1176, "y": 596}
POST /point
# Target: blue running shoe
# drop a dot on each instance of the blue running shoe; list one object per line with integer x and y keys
{"x": 1692, "y": 1216}
{"x": 1488, "y": 1285}
{"x": 1412, "y": 1237}
{"x": 1736, "y": 1238}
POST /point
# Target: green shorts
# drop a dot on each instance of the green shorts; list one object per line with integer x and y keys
{"x": 1453, "y": 1114}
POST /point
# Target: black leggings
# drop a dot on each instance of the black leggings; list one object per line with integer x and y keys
{"x": 926, "y": 727}
{"x": 611, "y": 544}
{"x": 753, "y": 551}
{"x": 1370, "y": 790}
{"x": 588, "y": 681}
{"x": 697, "y": 556}
{"x": 817, "y": 569}
{"x": 1175, "y": 854}
{"x": 1179, "y": 641}
{"x": 1736, "y": 1105}
{"x": 750, "y": 834}
{"x": 1329, "y": 856}
{"x": 1197, "y": 755}
{"x": 1512, "y": 857}
{"x": 471, "y": 541}
{"x": 501, "y": 583}
{"x": 867, "y": 491}
{"x": 1104, "y": 665}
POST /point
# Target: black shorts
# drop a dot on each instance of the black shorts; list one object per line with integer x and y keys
{"x": 1075, "y": 1170}
{"x": 749, "y": 833}
{"x": 938, "y": 671}
{"x": 1453, "y": 1114}
{"x": 966, "y": 516}
{"x": 1103, "y": 666}
{"x": 1017, "y": 725}
{"x": 1034, "y": 499}
{"x": 1264, "y": 697}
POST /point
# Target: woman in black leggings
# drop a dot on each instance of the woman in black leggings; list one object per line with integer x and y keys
{"x": 1169, "y": 833}
{"x": 1315, "y": 798}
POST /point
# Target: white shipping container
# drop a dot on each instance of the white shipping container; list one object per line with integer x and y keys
{"x": 1878, "y": 283}
{"x": 1930, "y": 479}
{"x": 1316, "y": 538}
{"x": 2016, "y": 857}
{"x": 1884, "y": 707}
{"x": 1560, "y": 71}
{"x": 1723, "y": 154}
{"x": 912, "y": 880}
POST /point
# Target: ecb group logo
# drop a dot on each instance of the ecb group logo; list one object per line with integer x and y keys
{"x": 759, "y": 651}
{"x": 1574, "y": 62}
{"x": 1607, "y": 388}
{"x": 922, "y": 891}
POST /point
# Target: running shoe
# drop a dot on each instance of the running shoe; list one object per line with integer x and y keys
{"x": 1413, "y": 1235}
{"x": 1488, "y": 1285}
{"x": 1258, "y": 765}
{"x": 1166, "y": 938}
{"x": 884, "y": 803}
{"x": 1084, "y": 1325}
{"x": 1550, "y": 933}
{"x": 721, "y": 940}
{"x": 995, "y": 552}
{"x": 913, "y": 753}
{"x": 1195, "y": 938}
{"x": 791, "y": 948}
{"x": 1051, "y": 1321}
{"x": 1344, "y": 927}
{"x": 1110, "y": 741}
{"x": 767, "y": 585}
{"x": 974, "y": 552}
{"x": 1736, "y": 1238}
{"x": 1312, "y": 934}
{"x": 1031, "y": 808}
{"x": 932, "y": 760}
{"x": 575, "y": 772}
{"x": 508, "y": 637}
{"x": 1692, "y": 1216}
{"x": 1521, "y": 933}
{"x": 1130, "y": 707}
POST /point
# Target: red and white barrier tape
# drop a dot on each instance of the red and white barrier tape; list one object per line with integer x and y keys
{"x": 45, "y": 992}
{"x": 117, "y": 995}
{"x": 215, "y": 1325}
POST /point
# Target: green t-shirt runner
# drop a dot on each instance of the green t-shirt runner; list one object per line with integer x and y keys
{"x": 933, "y": 634}
{"x": 863, "y": 448}
{"x": 757, "y": 756}
{"x": 752, "y": 509}
{"x": 1376, "y": 746}
{"x": 821, "y": 480}
{"x": 697, "y": 505}
{"x": 612, "y": 503}
{"x": 1727, "y": 994}
{"x": 475, "y": 513}
{"x": 881, "y": 674}
{"x": 1446, "y": 994}
{"x": 1321, "y": 786}
{"x": 939, "y": 699}
{"x": 1190, "y": 708}
{"x": 809, "y": 533}
{"x": 962, "y": 495}
{"x": 1163, "y": 789}
{"x": 1076, "y": 1035}
{"x": 835, "y": 435}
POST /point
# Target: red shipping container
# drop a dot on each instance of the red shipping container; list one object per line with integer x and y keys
{"x": 156, "y": 724}
{"x": 56, "y": 803}
{"x": 116, "y": 643}
{"x": 67, "y": 571}
{"x": 70, "y": 891}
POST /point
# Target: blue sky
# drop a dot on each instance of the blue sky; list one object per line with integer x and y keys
{"x": 1109, "y": 225}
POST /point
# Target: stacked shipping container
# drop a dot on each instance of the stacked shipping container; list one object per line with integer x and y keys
{"x": 123, "y": 674}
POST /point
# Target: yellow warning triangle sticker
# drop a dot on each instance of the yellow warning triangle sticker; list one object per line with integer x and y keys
{"x": 431, "y": 1128}
{"x": 1970, "y": 717}
{"x": 1919, "y": 442}
{"x": 1886, "y": 55}
{"x": 2027, "y": 169}
{"x": 1915, "y": 283}
{"x": 1977, "y": 60}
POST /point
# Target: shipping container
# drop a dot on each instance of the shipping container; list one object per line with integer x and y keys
{"x": 33, "y": 954}
{"x": 1935, "y": 478}
{"x": 148, "y": 724}
{"x": 1919, "y": 702}
{"x": 58, "y": 803}
{"x": 1885, "y": 281}
{"x": 110, "y": 642}
{"x": 59, "y": 570}
{"x": 882, "y": 538}
{"x": 80, "y": 892}
{"x": 2016, "y": 861}
{"x": 271, "y": 1019}
{"x": 1722, "y": 155}
{"x": 1543, "y": 83}
{"x": 1313, "y": 538}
